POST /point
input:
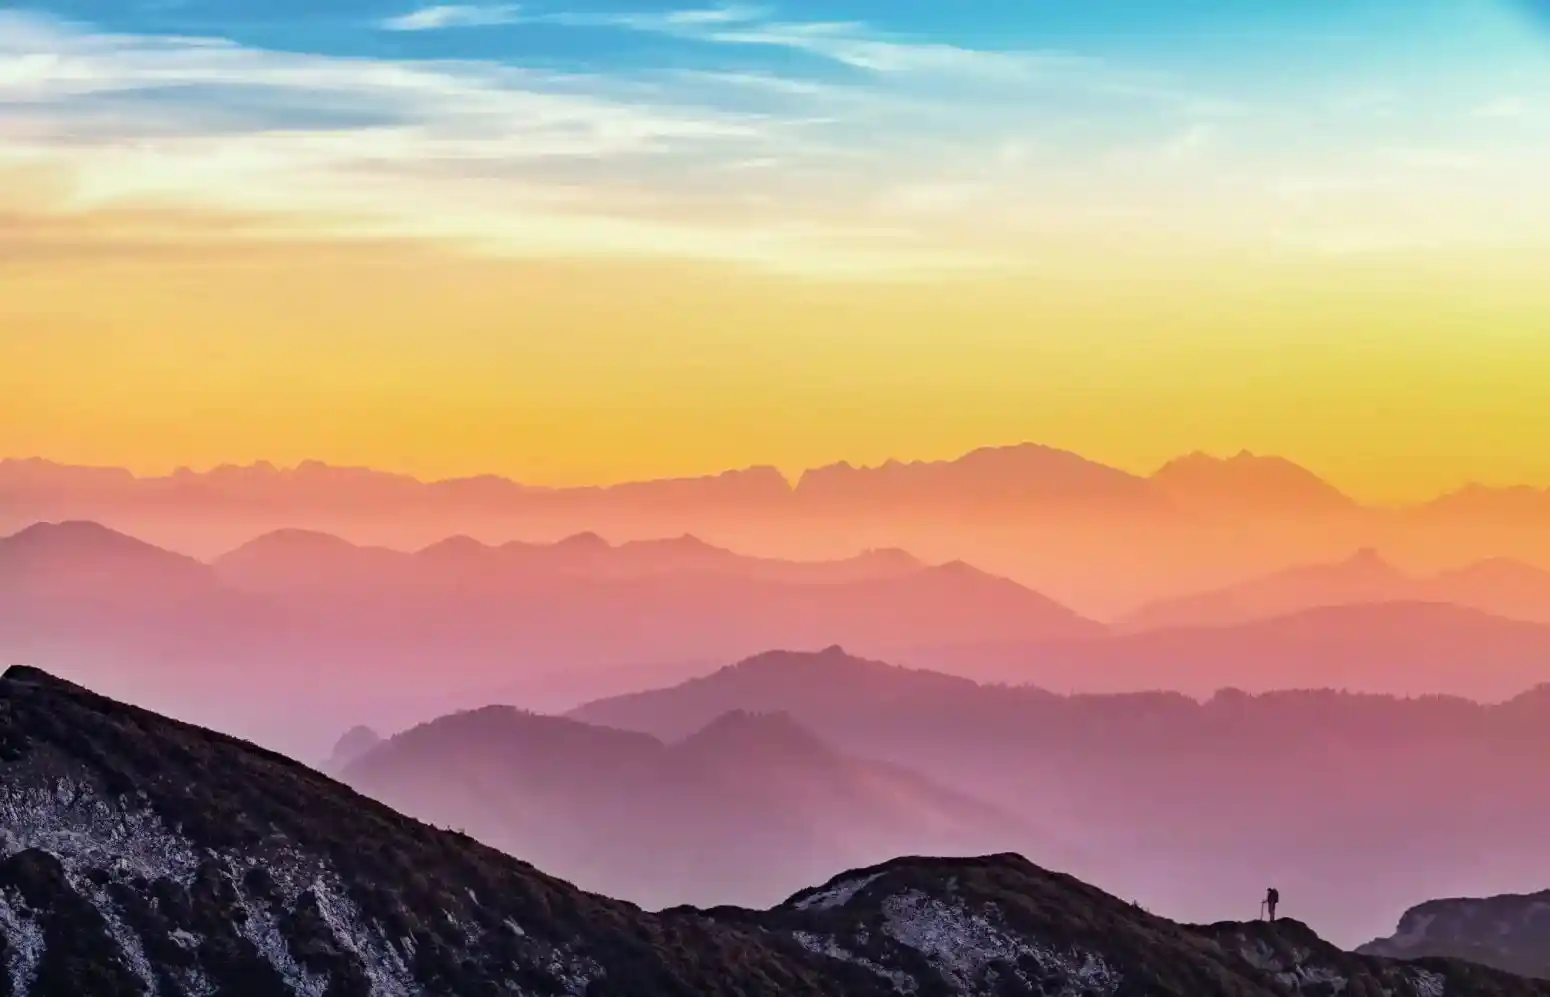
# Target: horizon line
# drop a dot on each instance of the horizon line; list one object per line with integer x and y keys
{"x": 792, "y": 480}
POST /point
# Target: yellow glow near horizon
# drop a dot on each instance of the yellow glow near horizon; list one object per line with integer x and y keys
{"x": 1394, "y": 377}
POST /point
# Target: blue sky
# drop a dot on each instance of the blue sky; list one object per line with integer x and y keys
{"x": 859, "y": 130}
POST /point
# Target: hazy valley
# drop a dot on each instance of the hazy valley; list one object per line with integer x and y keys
{"x": 672, "y": 722}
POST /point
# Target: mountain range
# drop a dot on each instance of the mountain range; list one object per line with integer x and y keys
{"x": 1096, "y": 538}
{"x": 291, "y": 632}
{"x": 145, "y": 856}
{"x": 988, "y": 476}
{"x": 1500, "y": 586}
{"x": 289, "y": 636}
{"x": 744, "y": 811}
{"x": 1188, "y": 803}
{"x": 1390, "y": 648}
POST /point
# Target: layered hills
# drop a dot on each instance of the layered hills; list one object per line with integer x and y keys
{"x": 145, "y": 856}
{"x": 1195, "y": 805}
{"x": 1102, "y": 540}
{"x": 744, "y": 811}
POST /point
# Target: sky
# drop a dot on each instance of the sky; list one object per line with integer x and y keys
{"x": 592, "y": 241}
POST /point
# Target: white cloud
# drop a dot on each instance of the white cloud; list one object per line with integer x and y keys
{"x": 447, "y": 16}
{"x": 952, "y": 147}
{"x": 1451, "y": 160}
{"x": 1189, "y": 142}
{"x": 457, "y": 151}
{"x": 859, "y": 46}
{"x": 1505, "y": 107}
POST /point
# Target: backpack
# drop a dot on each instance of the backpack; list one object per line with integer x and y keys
{"x": 1273, "y": 896}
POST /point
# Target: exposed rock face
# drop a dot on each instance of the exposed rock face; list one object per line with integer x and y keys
{"x": 142, "y": 856}
{"x": 1508, "y": 932}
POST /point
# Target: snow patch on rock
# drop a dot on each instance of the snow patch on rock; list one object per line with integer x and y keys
{"x": 128, "y": 942}
{"x": 1302, "y": 976}
{"x": 85, "y": 831}
{"x": 1294, "y": 974}
{"x": 963, "y": 945}
{"x": 88, "y": 832}
{"x": 837, "y": 894}
{"x": 24, "y": 936}
{"x": 576, "y": 973}
{"x": 820, "y": 945}
{"x": 259, "y": 927}
{"x": 1428, "y": 983}
{"x": 385, "y": 969}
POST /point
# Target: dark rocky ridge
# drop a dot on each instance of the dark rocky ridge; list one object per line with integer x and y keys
{"x": 140, "y": 855}
{"x": 1510, "y": 932}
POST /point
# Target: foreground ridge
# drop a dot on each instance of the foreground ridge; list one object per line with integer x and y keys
{"x": 142, "y": 856}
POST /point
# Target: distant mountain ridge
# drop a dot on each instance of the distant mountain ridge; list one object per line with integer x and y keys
{"x": 1099, "y": 539}
{"x": 294, "y": 557}
{"x": 141, "y": 856}
{"x": 358, "y": 628}
{"x": 1499, "y": 586}
{"x": 742, "y": 811}
{"x": 1312, "y": 790}
{"x": 652, "y": 591}
{"x": 1247, "y": 480}
{"x": 1022, "y": 472}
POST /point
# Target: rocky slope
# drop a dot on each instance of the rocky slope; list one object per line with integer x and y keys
{"x": 144, "y": 856}
{"x": 1510, "y": 932}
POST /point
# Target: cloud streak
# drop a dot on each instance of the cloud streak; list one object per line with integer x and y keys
{"x": 884, "y": 146}
{"x": 447, "y": 16}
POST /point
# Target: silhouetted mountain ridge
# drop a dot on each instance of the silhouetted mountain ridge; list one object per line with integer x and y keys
{"x": 1509, "y": 932}
{"x": 1248, "y": 481}
{"x": 743, "y": 810}
{"x": 1410, "y": 647}
{"x": 1500, "y": 586}
{"x": 1188, "y": 800}
{"x": 143, "y": 856}
{"x": 992, "y": 475}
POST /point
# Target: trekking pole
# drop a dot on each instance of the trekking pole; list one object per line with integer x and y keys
{"x": 1262, "y": 910}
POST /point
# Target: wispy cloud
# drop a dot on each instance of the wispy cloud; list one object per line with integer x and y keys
{"x": 495, "y": 157}
{"x": 447, "y": 16}
{"x": 1510, "y": 106}
{"x": 884, "y": 150}
{"x": 858, "y": 46}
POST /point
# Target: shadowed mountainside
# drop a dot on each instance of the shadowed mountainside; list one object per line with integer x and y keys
{"x": 1510, "y": 932}
{"x": 1499, "y": 586}
{"x": 145, "y": 856}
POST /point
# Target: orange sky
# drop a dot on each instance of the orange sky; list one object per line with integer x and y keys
{"x": 1396, "y": 378}
{"x": 772, "y": 237}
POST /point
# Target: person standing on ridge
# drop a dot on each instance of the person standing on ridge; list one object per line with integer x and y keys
{"x": 1272, "y": 897}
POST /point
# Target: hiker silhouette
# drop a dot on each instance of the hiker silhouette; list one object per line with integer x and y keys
{"x": 1272, "y": 897}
